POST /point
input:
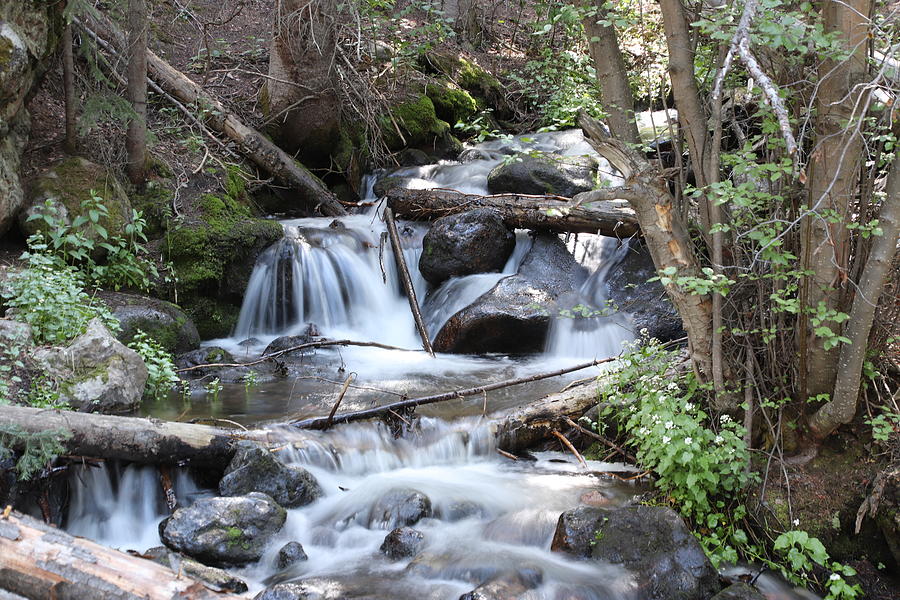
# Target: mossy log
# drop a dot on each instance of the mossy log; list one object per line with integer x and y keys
{"x": 132, "y": 439}
{"x": 590, "y": 212}
{"x": 40, "y": 562}
{"x": 251, "y": 143}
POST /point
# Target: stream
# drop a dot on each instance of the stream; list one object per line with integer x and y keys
{"x": 489, "y": 515}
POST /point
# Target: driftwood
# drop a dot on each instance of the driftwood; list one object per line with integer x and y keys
{"x": 592, "y": 212}
{"x": 251, "y": 143}
{"x": 132, "y": 439}
{"x": 404, "y": 278}
{"x": 404, "y": 405}
{"x": 40, "y": 562}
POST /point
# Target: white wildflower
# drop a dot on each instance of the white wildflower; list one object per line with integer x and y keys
{"x": 666, "y": 439}
{"x": 672, "y": 386}
{"x": 645, "y": 332}
{"x": 796, "y": 522}
{"x": 834, "y": 577}
{"x": 644, "y": 431}
{"x": 689, "y": 407}
{"x": 689, "y": 440}
{"x": 669, "y": 424}
{"x": 725, "y": 419}
{"x": 719, "y": 439}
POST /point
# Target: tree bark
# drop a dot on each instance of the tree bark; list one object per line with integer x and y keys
{"x": 132, "y": 439}
{"x": 833, "y": 183}
{"x": 609, "y": 66}
{"x": 842, "y": 407}
{"x": 251, "y": 143}
{"x": 40, "y": 562}
{"x": 71, "y": 143}
{"x": 598, "y": 211}
{"x": 136, "y": 137}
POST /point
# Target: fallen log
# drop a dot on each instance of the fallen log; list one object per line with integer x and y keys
{"x": 40, "y": 562}
{"x": 251, "y": 143}
{"x": 133, "y": 439}
{"x": 597, "y": 211}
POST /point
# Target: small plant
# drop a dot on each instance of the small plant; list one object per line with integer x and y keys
{"x": 37, "y": 449}
{"x": 213, "y": 388}
{"x": 251, "y": 379}
{"x": 161, "y": 376}
{"x": 44, "y": 394}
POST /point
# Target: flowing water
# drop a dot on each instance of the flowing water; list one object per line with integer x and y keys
{"x": 489, "y": 515}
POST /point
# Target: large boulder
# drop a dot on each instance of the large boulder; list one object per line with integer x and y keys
{"x": 647, "y": 301}
{"x": 61, "y": 190}
{"x": 398, "y": 508}
{"x": 254, "y": 469}
{"x": 163, "y": 321}
{"x": 514, "y": 315}
{"x": 476, "y": 241}
{"x": 541, "y": 173}
{"x": 224, "y": 531}
{"x": 28, "y": 35}
{"x": 651, "y": 542}
{"x": 95, "y": 372}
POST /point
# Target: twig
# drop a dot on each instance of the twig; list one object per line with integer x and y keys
{"x": 318, "y": 422}
{"x": 338, "y": 402}
{"x": 601, "y": 439}
{"x": 405, "y": 279}
{"x": 571, "y": 448}
{"x": 506, "y": 454}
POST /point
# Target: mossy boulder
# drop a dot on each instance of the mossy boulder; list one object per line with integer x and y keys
{"x": 544, "y": 173}
{"x": 421, "y": 128}
{"x": 164, "y": 322}
{"x": 468, "y": 75}
{"x": 64, "y": 188}
{"x": 451, "y": 103}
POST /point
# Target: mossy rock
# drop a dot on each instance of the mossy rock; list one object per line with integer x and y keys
{"x": 484, "y": 88}
{"x": 451, "y": 103}
{"x": 164, "y": 322}
{"x": 154, "y": 203}
{"x": 418, "y": 122}
{"x": 213, "y": 318}
{"x": 65, "y": 186}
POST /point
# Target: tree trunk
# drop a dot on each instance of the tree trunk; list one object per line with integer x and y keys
{"x": 833, "y": 184}
{"x": 592, "y": 212}
{"x": 71, "y": 143}
{"x": 40, "y": 562}
{"x": 136, "y": 137}
{"x": 250, "y": 142}
{"x": 609, "y": 66}
{"x": 132, "y": 439}
{"x": 842, "y": 407}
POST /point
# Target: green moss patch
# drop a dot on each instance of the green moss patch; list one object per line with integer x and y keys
{"x": 451, "y": 103}
{"x": 418, "y": 123}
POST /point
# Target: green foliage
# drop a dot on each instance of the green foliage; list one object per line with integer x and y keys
{"x": 213, "y": 388}
{"x": 37, "y": 449}
{"x": 161, "y": 376}
{"x": 802, "y": 554}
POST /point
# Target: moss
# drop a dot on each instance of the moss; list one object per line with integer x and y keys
{"x": 417, "y": 120}
{"x": 351, "y": 146}
{"x": 154, "y": 202}
{"x": 213, "y": 318}
{"x": 451, "y": 103}
{"x": 6, "y": 51}
{"x": 473, "y": 78}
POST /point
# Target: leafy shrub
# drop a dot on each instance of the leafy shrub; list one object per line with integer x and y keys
{"x": 38, "y": 449}
{"x": 160, "y": 368}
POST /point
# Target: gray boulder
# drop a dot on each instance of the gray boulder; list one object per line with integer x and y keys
{"x": 254, "y": 469}
{"x": 651, "y": 542}
{"x": 164, "y": 322}
{"x": 224, "y": 531}
{"x": 647, "y": 302}
{"x": 739, "y": 591}
{"x": 398, "y": 508}
{"x": 402, "y": 542}
{"x": 218, "y": 579}
{"x": 289, "y": 554}
{"x": 506, "y": 586}
{"x": 207, "y": 355}
{"x": 95, "y": 372}
{"x": 476, "y": 241}
{"x": 540, "y": 173}
{"x": 514, "y": 316}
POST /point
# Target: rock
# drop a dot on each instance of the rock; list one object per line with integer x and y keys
{"x": 290, "y": 553}
{"x": 386, "y": 184}
{"x": 463, "y": 510}
{"x": 739, "y": 591}
{"x": 64, "y": 187}
{"x": 413, "y": 157}
{"x": 290, "y": 591}
{"x": 14, "y": 333}
{"x": 254, "y": 469}
{"x": 402, "y": 542}
{"x": 651, "y": 542}
{"x": 224, "y": 531}
{"x": 96, "y": 372}
{"x": 398, "y": 508}
{"x": 164, "y": 322}
{"x": 203, "y": 356}
{"x": 888, "y": 515}
{"x": 218, "y": 579}
{"x": 514, "y": 316}
{"x": 540, "y": 173}
{"x": 476, "y": 241}
{"x": 291, "y": 341}
{"x": 648, "y": 303}
{"x": 29, "y": 32}
{"x": 506, "y": 586}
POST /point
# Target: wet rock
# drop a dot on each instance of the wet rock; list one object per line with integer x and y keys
{"x": 96, "y": 372}
{"x": 164, "y": 322}
{"x": 402, "y": 542}
{"x": 739, "y": 591}
{"x": 648, "y": 303}
{"x": 386, "y": 184}
{"x": 463, "y": 510}
{"x": 651, "y": 542}
{"x": 290, "y": 591}
{"x": 398, "y": 508}
{"x": 285, "y": 342}
{"x": 476, "y": 241}
{"x": 207, "y": 355}
{"x": 218, "y": 579}
{"x": 224, "y": 531}
{"x": 413, "y": 157}
{"x": 540, "y": 173}
{"x": 514, "y": 316}
{"x": 291, "y": 553}
{"x": 506, "y": 586}
{"x": 254, "y": 469}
